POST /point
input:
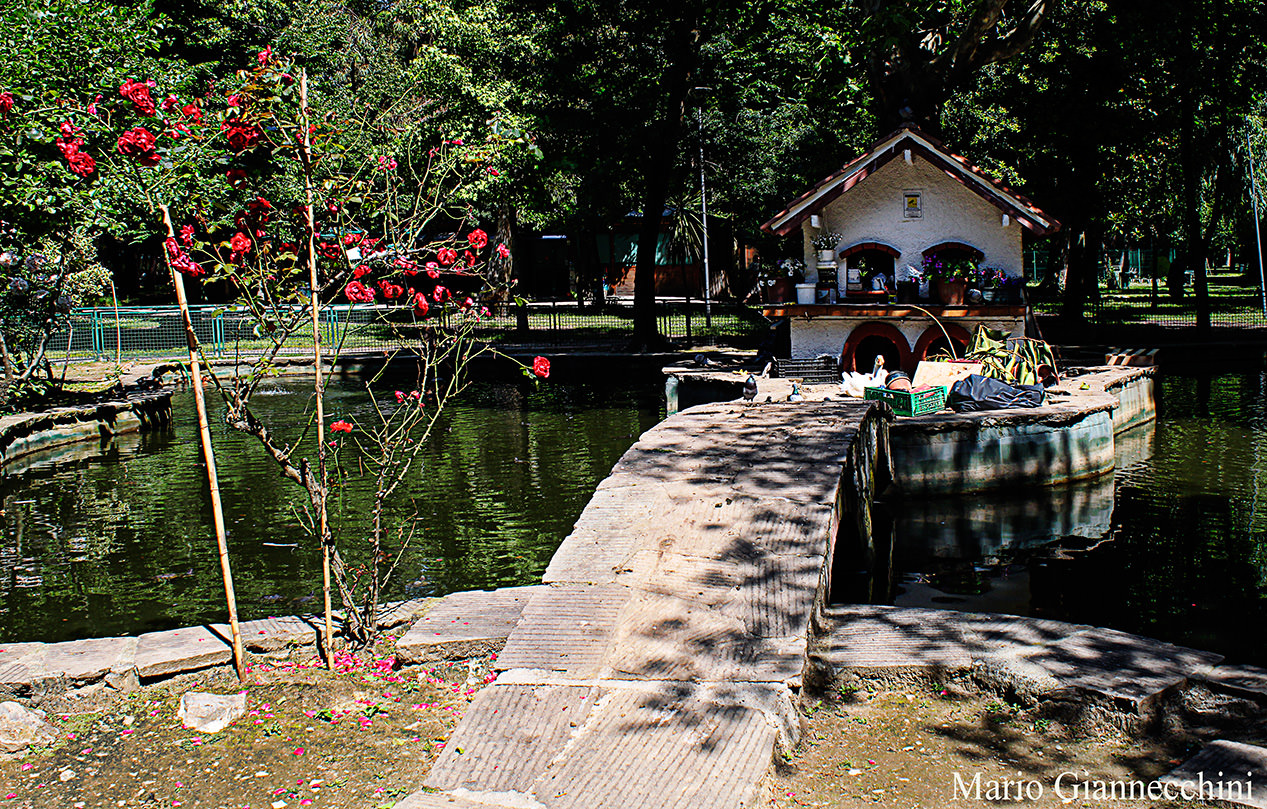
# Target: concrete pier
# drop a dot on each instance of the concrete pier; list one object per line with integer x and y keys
{"x": 659, "y": 665}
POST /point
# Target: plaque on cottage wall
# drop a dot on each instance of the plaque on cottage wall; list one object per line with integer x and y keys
{"x": 912, "y": 205}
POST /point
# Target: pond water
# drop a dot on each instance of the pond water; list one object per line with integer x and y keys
{"x": 1173, "y": 545}
{"x": 98, "y": 541}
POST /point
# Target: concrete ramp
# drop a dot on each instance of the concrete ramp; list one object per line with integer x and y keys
{"x": 657, "y": 668}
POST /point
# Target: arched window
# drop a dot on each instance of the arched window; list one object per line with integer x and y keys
{"x": 869, "y": 265}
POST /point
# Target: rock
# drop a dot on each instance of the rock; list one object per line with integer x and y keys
{"x": 66, "y": 775}
{"x": 21, "y": 727}
{"x": 87, "y": 661}
{"x": 210, "y": 713}
{"x": 123, "y": 681}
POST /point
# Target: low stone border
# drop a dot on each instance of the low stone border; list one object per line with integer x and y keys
{"x": 25, "y": 433}
{"x": 32, "y": 672}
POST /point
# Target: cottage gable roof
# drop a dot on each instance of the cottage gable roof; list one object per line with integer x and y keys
{"x": 929, "y": 148}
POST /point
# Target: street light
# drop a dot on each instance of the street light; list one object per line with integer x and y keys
{"x": 703, "y": 202}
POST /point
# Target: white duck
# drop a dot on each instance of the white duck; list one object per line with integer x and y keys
{"x": 852, "y": 383}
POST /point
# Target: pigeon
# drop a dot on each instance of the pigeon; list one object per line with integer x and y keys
{"x": 795, "y": 395}
{"x": 703, "y": 362}
{"x": 750, "y": 388}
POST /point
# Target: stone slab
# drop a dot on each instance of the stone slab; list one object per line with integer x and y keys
{"x": 1224, "y": 770}
{"x": 1128, "y": 668}
{"x": 1250, "y": 680}
{"x": 567, "y": 628}
{"x": 466, "y": 624}
{"x": 273, "y": 634}
{"x": 661, "y": 637}
{"x": 90, "y": 660}
{"x": 873, "y": 637}
{"x": 441, "y": 800}
{"x": 159, "y": 654}
{"x": 22, "y": 666}
{"x": 661, "y": 749}
{"x": 488, "y": 753}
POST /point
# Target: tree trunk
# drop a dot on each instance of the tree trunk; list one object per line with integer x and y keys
{"x": 681, "y": 51}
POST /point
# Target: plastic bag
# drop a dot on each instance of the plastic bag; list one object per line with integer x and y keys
{"x": 976, "y": 392}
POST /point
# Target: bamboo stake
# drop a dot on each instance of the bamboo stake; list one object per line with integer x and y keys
{"x": 204, "y": 433}
{"x": 322, "y": 514}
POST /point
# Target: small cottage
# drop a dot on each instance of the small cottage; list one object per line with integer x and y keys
{"x": 876, "y": 229}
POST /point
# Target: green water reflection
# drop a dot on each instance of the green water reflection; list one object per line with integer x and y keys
{"x": 1173, "y": 545}
{"x": 99, "y": 541}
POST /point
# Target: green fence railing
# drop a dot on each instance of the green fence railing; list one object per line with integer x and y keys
{"x": 136, "y": 332}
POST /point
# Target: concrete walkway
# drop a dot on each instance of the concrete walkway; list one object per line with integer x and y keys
{"x": 657, "y": 667}
{"x": 1023, "y": 656}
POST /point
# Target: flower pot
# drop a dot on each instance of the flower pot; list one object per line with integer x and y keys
{"x": 950, "y": 293}
{"x": 825, "y": 292}
{"x": 827, "y": 256}
{"x": 805, "y": 293}
{"x": 907, "y": 291}
{"x": 782, "y": 291}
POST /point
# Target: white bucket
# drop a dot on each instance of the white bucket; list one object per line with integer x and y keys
{"x": 805, "y": 293}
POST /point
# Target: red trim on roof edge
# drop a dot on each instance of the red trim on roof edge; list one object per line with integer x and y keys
{"x": 1027, "y": 213}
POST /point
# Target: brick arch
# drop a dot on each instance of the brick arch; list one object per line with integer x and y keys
{"x": 958, "y": 335}
{"x": 876, "y": 328}
{"x": 976, "y": 254}
{"x": 864, "y": 246}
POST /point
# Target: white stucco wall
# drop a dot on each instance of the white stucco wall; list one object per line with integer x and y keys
{"x": 872, "y": 211}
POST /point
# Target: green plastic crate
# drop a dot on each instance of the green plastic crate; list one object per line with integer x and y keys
{"x": 910, "y": 403}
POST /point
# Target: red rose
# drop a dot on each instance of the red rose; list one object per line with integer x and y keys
{"x": 6, "y": 101}
{"x": 470, "y": 258}
{"x": 139, "y": 94}
{"x": 186, "y": 235}
{"x": 170, "y": 103}
{"x": 477, "y": 238}
{"x": 192, "y": 112}
{"x": 362, "y": 271}
{"x": 358, "y": 292}
{"x": 180, "y": 260}
{"x": 390, "y": 290}
{"x": 420, "y": 304}
{"x": 503, "y": 251}
{"x": 327, "y": 250}
{"x": 69, "y": 146}
{"x": 341, "y": 427}
{"x": 241, "y": 136}
{"x": 446, "y": 256}
{"x": 266, "y": 54}
{"x": 139, "y": 143}
{"x": 440, "y": 294}
{"x": 240, "y": 243}
{"x": 235, "y": 177}
{"x": 81, "y": 163}
{"x": 540, "y": 367}
{"x": 352, "y": 238}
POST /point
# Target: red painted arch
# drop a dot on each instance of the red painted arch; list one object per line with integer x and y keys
{"x": 864, "y": 246}
{"x": 876, "y": 328}
{"x": 958, "y": 334}
{"x": 976, "y": 254}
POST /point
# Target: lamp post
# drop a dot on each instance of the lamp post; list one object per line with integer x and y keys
{"x": 703, "y": 198}
{"x": 1258, "y": 238}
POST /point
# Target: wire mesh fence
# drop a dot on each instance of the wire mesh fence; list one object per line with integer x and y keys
{"x": 1136, "y": 286}
{"x": 139, "y": 332}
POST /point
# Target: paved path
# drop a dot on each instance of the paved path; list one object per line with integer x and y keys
{"x": 656, "y": 667}
{"x": 1024, "y": 655}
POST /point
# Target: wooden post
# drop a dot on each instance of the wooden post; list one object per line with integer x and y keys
{"x": 322, "y": 513}
{"x": 204, "y": 433}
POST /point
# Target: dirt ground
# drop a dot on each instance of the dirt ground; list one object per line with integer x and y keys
{"x": 902, "y": 747}
{"x": 361, "y": 737}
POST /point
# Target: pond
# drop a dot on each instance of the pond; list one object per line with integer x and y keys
{"x": 1173, "y": 545}
{"x": 98, "y": 541}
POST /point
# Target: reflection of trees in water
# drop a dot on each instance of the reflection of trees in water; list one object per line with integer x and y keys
{"x": 120, "y": 541}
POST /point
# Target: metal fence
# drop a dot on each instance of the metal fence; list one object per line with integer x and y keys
{"x": 1132, "y": 289}
{"x": 135, "y": 332}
